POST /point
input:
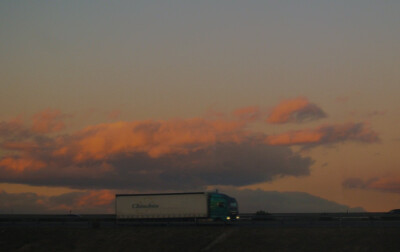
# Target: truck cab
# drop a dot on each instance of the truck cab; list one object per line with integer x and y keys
{"x": 223, "y": 207}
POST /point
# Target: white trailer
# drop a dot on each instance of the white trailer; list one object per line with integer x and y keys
{"x": 162, "y": 206}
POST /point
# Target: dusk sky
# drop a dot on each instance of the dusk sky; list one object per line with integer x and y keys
{"x": 285, "y": 100}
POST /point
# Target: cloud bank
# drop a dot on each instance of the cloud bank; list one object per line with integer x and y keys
{"x": 90, "y": 161}
{"x": 177, "y": 154}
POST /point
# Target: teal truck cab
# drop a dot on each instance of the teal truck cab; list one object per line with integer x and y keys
{"x": 222, "y": 207}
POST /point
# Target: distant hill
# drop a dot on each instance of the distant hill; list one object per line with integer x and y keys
{"x": 285, "y": 202}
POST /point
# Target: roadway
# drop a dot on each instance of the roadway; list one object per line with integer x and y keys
{"x": 246, "y": 220}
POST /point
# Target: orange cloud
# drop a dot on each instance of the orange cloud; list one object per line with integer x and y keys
{"x": 385, "y": 184}
{"x": 101, "y": 142}
{"x": 325, "y": 135}
{"x": 20, "y": 145}
{"x": 96, "y": 198}
{"x": 390, "y": 184}
{"x": 295, "y": 137}
{"x": 21, "y": 164}
{"x": 155, "y": 138}
{"x": 79, "y": 202}
{"x": 295, "y": 110}
{"x": 48, "y": 121}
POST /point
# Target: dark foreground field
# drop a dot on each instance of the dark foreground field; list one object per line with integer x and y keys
{"x": 200, "y": 238}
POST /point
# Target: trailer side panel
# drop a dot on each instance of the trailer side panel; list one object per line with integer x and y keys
{"x": 160, "y": 206}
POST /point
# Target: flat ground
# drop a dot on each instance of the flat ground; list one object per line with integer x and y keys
{"x": 200, "y": 238}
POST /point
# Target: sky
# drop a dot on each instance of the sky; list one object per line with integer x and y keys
{"x": 290, "y": 106}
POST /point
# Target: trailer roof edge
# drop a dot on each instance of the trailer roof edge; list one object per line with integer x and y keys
{"x": 154, "y": 194}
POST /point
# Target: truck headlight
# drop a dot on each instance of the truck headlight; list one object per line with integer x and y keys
{"x": 228, "y": 217}
{"x": 237, "y": 217}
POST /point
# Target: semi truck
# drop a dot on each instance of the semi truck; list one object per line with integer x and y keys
{"x": 161, "y": 206}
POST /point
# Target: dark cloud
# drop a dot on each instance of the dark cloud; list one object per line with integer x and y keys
{"x": 14, "y": 129}
{"x": 354, "y": 183}
{"x": 376, "y": 113}
{"x": 234, "y": 164}
{"x": 21, "y": 203}
{"x": 326, "y": 134}
{"x": 285, "y": 202}
{"x": 310, "y": 112}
